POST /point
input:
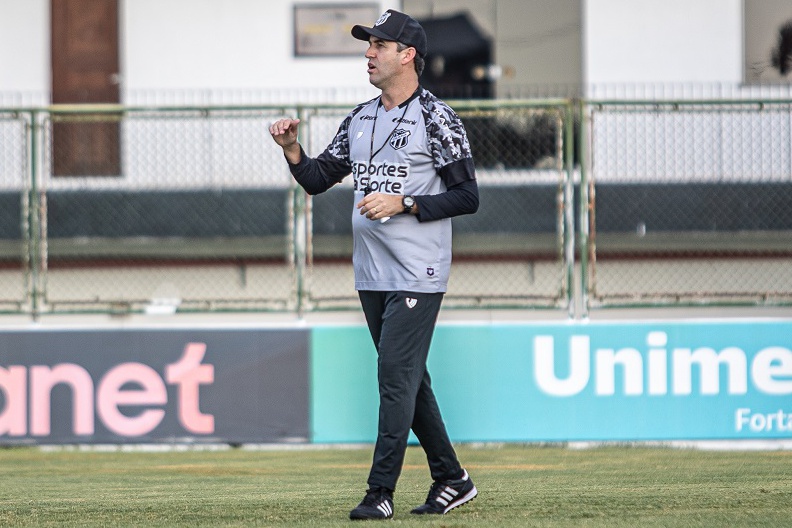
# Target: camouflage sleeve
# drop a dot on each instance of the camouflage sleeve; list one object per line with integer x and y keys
{"x": 317, "y": 175}
{"x": 339, "y": 147}
{"x": 447, "y": 141}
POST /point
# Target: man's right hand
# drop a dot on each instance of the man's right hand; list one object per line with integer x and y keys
{"x": 284, "y": 132}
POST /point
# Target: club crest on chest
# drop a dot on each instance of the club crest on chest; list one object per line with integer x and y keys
{"x": 399, "y": 139}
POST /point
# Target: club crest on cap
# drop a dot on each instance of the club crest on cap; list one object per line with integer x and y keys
{"x": 397, "y": 27}
{"x": 382, "y": 19}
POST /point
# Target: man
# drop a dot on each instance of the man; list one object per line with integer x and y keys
{"x": 410, "y": 159}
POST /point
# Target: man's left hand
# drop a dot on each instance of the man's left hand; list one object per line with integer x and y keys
{"x": 377, "y": 205}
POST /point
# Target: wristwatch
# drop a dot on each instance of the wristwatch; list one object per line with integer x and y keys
{"x": 408, "y": 202}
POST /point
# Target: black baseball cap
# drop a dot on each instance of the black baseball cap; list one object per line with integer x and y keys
{"x": 397, "y": 27}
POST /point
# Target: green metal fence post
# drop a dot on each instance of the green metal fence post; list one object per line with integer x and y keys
{"x": 569, "y": 205}
{"x": 583, "y": 139}
{"x": 301, "y": 225}
{"x": 34, "y": 221}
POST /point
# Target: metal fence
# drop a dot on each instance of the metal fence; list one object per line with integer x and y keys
{"x": 509, "y": 254}
{"x": 115, "y": 209}
{"x": 688, "y": 202}
{"x": 183, "y": 209}
{"x": 118, "y": 209}
{"x": 15, "y": 250}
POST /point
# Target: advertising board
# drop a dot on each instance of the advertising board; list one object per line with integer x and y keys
{"x": 575, "y": 381}
{"x": 148, "y": 385}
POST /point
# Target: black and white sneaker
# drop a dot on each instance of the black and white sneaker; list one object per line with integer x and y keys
{"x": 447, "y": 495}
{"x": 377, "y": 504}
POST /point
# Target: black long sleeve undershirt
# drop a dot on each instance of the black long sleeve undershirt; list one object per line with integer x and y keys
{"x": 316, "y": 175}
{"x": 459, "y": 199}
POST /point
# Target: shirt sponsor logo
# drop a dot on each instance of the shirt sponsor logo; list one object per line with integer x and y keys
{"x": 404, "y": 121}
{"x": 384, "y": 177}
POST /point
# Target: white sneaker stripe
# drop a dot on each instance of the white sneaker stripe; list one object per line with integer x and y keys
{"x": 384, "y": 507}
{"x": 462, "y": 500}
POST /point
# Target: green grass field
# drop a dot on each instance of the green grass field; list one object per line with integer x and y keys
{"x": 518, "y": 486}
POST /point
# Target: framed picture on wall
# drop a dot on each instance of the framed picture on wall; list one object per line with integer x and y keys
{"x": 324, "y": 29}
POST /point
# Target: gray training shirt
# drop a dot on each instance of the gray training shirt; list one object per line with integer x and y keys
{"x": 417, "y": 148}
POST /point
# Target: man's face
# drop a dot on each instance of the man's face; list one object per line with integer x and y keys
{"x": 384, "y": 61}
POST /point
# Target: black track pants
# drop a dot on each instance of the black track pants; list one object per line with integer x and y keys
{"x": 401, "y": 325}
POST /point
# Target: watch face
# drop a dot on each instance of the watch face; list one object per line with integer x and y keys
{"x": 408, "y": 201}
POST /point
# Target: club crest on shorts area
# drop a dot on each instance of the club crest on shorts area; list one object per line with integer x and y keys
{"x": 411, "y": 302}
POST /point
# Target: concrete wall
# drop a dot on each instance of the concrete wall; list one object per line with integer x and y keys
{"x": 534, "y": 43}
{"x": 668, "y": 41}
{"x": 193, "y": 46}
{"x": 235, "y": 44}
{"x": 206, "y": 46}
{"x": 24, "y": 46}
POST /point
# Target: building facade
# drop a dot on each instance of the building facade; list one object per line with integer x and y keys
{"x": 247, "y": 51}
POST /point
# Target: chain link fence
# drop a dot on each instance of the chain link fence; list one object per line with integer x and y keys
{"x": 687, "y": 203}
{"x": 119, "y": 210}
{"x": 511, "y": 253}
{"x": 14, "y": 210}
{"x": 163, "y": 210}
